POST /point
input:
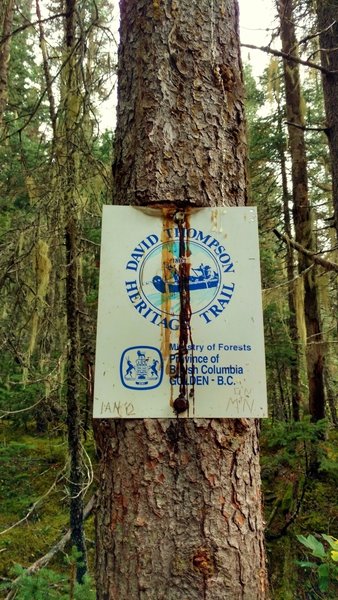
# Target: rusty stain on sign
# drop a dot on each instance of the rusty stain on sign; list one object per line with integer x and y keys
{"x": 181, "y": 403}
{"x": 177, "y": 269}
{"x": 180, "y": 320}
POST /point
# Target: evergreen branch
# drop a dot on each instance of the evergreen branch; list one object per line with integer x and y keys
{"x": 273, "y": 513}
{"x": 327, "y": 264}
{"x": 58, "y": 547}
{"x": 39, "y": 101}
{"x": 44, "y": 92}
{"x": 287, "y": 56}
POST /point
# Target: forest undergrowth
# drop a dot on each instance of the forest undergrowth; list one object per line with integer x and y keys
{"x": 35, "y": 508}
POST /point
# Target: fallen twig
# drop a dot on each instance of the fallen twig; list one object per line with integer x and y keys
{"x": 35, "y": 504}
{"x": 44, "y": 560}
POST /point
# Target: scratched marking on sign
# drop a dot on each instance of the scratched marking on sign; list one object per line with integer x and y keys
{"x": 241, "y": 399}
{"x": 118, "y": 409}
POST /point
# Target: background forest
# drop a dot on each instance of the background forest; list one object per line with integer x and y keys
{"x": 56, "y": 74}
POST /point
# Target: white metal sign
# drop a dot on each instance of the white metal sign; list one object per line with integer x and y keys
{"x": 154, "y": 266}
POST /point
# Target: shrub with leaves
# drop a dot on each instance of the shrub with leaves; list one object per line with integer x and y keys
{"x": 326, "y": 564}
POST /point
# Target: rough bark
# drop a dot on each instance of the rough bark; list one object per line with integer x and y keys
{"x": 180, "y": 111}
{"x": 6, "y": 20}
{"x": 180, "y": 513}
{"x": 302, "y": 215}
{"x": 327, "y": 15}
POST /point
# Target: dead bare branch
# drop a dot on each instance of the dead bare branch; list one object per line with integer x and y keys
{"x": 311, "y": 36}
{"x": 35, "y": 504}
{"x": 306, "y": 63}
{"x": 328, "y": 265}
{"x": 307, "y": 128}
{"x": 4, "y": 39}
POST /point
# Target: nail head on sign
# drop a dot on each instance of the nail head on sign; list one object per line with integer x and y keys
{"x": 181, "y": 404}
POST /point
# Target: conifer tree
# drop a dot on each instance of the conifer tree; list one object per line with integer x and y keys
{"x": 6, "y": 19}
{"x": 302, "y": 214}
{"x": 327, "y": 15}
{"x": 179, "y": 502}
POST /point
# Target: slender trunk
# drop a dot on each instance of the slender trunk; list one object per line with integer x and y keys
{"x": 331, "y": 396}
{"x": 284, "y": 404}
{"x": 46, "y": 70}
{"x": 282, "y": 411}
{"x": 327, "y": 16}
{"x": 302, "y": 216}
{"x": 329, "y": 307}
{"x": 88, "y": 354}
{"x": 180, "y": 511}
{"x": 74, "y": 396}
{"x": 6, "y": 20}
{"x": 290, "y": 270}
{"x": 70, "y": 98}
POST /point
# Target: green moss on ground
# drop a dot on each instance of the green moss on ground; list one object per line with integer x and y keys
{"x": 29, "y": 467}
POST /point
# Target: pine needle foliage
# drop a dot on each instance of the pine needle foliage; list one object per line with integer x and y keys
{"x": 47, "y": 584}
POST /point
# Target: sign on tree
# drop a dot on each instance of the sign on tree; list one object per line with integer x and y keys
{"x": 180, "y": 326}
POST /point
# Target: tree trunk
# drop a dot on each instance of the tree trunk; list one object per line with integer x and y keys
{"x": 180, "y": 133}
{"x": 71, "y": 107}
{"x": 180, "y": 513}
{"x": 290, "y": 270}
{"x": 46, "y": 70}
{"x": 302, "y": 215}
{"x": 327, "y": 16}
{"x": 6, "y": 20}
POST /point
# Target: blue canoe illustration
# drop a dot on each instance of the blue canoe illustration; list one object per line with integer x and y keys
{"x": 203, "y": 281}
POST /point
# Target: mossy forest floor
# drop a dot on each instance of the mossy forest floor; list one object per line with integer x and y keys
{"x": 34, "y": 468}
{"x": 33, "y": 481}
